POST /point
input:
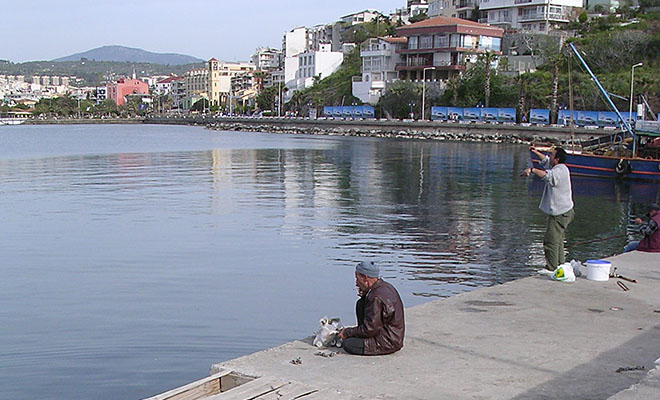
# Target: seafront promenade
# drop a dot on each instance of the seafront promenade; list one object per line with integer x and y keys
{"x": 398, "y": 129}
{"x": 532, "y": 338}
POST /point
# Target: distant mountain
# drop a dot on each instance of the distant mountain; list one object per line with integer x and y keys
{"x": 128, "y": 54}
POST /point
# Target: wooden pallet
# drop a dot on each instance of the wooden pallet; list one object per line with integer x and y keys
{"x": 226, "y": 385}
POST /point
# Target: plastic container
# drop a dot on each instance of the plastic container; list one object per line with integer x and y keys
{"x": 598, "y": 270}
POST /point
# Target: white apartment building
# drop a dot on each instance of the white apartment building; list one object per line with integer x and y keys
{"x": 318, "y": 64}
{"x": 164, "y": 86}
{"x": 360, "y": 17}
{"x": 379, "y": 60}
{"x": 267, "y": 59}
{"x": 528, "y": 15}
{"x": 464, "y": 9}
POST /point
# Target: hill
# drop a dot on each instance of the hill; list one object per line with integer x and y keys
{"x": 92, "y": 72}
{"x": 129, "y": 54}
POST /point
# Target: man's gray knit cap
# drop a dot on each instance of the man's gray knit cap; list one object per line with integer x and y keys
{"x": 367, "y": 268}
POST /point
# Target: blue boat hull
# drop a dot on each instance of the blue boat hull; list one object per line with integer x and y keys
{"x": 637, "y": 169}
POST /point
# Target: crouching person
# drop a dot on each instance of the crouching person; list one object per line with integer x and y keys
{"x": 379, "y": 313}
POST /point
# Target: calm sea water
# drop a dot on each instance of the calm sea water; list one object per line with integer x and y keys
{"x": 133, "y": 257}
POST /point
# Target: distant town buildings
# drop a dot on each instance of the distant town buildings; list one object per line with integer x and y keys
{"x": 435, "y": 49}
{"x": 123, "y": 87}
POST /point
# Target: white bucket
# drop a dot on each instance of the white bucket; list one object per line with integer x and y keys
{"x": 598, "y": 270}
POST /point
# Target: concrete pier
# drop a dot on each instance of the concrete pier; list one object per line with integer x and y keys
{"x": 533, "y": 338}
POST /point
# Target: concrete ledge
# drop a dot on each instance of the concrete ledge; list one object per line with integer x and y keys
{"x": 528, "y": 339}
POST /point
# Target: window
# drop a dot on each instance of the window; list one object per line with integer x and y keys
{"x": 455, "y": 40}
{"x": 366, "y": 64}
{"x": 412, "y": 42}
{"x": 375, "y": 65}
{"x": 426, "y": 42}
{"x": 441, "y": 41}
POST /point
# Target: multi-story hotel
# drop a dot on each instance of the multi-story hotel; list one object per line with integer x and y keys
{"x": 220, "y": 76}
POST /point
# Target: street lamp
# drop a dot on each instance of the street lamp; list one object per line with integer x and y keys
{"x": 632, "y": 81}
{"x": 424, "y": 87}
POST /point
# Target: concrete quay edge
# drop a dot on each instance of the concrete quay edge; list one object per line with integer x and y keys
{"x": 532, "y": 338}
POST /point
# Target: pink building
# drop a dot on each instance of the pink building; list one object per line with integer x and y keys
{"x": 117, "y": 91}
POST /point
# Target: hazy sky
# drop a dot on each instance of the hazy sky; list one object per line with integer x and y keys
{"x": 224, "y": 29}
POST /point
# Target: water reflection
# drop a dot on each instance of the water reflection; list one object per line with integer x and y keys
{"x": 156, "y": 251}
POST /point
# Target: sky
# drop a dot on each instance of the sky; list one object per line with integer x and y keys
{"x": 224, "y": 29}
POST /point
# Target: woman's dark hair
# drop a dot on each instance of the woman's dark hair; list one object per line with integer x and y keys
{"x": 560, "y": 154}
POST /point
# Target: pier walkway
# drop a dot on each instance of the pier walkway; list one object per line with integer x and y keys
{"x": 532, "y": 338}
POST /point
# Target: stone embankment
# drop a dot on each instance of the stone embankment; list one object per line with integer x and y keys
{"x": 418, "y": 130}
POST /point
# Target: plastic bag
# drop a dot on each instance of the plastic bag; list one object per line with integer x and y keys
{"x": 577, "y": 268}
{"x": 326, "y": 336}
{"x": 564, "y": 273}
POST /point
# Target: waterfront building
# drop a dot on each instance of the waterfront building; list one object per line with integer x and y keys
{"x": 379, "y": 58}
{"x": 164, "y": 86}
{"x": 444, "y": 46}
{"x": 101, "y": 94}
{"x": 539, "y": 16}
{"x": 178, "y": 93}
{"x": 119, "y": 89}
{"x": 196, "y": 81}
{"x": 220, "y": 76}
{"x": 267, "y": 59}
{"x": 316, "y": 65}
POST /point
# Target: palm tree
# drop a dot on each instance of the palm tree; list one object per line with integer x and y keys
{"x": 487, "y": 58}
{"x": 453, "y": 86}
{"x": 524, "y": 81}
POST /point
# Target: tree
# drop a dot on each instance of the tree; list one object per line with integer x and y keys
{"x": 398, "y": 97}
{"x": 106, "y": 107}
{"x": 419, "y": 17}
{"x": 487, "y": 58}
{"x": 200, "y": 105}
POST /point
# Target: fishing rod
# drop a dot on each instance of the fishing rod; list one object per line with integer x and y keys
{"x": 599, "y": 239}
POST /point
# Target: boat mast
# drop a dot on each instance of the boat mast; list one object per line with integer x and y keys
{"x": 607, "y": 96}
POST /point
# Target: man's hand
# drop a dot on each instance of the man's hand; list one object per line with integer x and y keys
{"x": 638, "y": 221}
{"x": 526, "y": 172}
{"x": 341, "y": 334}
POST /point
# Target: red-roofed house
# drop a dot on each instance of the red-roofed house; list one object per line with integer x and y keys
{"x": 444, "y": 47}
{"x": 164, "y": 86}
{"x": 117, "y": 91}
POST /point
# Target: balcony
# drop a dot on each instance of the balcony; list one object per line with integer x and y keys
{"x": 441, "y": 65}
{"x": 543, "y": 16}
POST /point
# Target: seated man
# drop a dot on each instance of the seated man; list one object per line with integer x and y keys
{"x": 651, "y": 240}
{"x": 379, "y": 313}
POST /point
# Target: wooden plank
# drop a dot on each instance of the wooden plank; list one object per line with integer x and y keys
{"x": 324, "y": 394}
{"x": 250, "y": 391}
{"x": 293, "y": 390}
{"x": 195, "y": 390}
